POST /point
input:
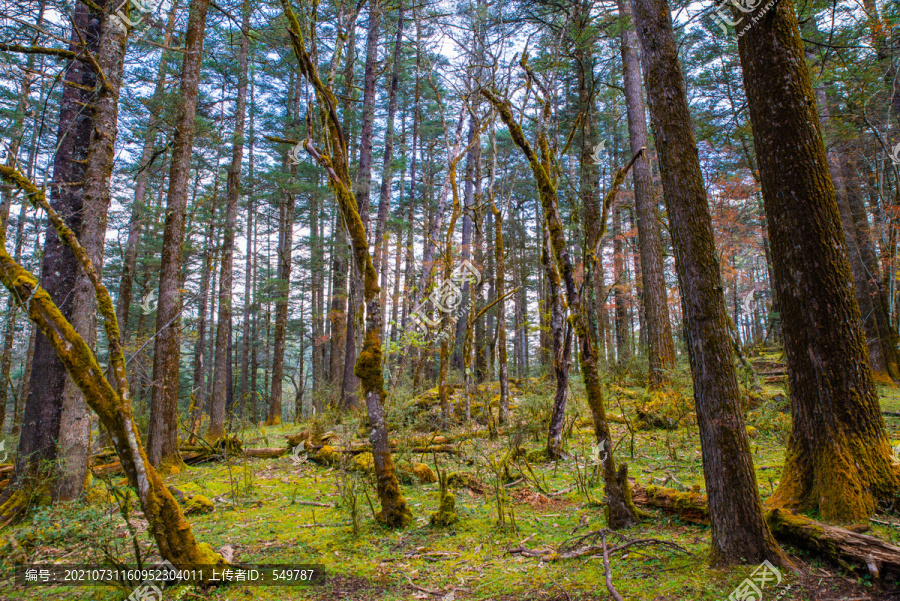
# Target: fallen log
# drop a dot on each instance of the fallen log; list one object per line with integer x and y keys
{"x": 264, "y": 453}
{"x": 851, "y": 550}
{"x": 356, "y": 449}
{"x": 434, "y": 449}
{"x": 689, "y": 506}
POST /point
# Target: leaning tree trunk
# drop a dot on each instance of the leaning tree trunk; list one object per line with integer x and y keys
{"x": 112, "y": 404}
{"x": 162, "y": 446}
{"x": 656, "y": 308}
{"x": 838, "y": 459}
{"x": 370, "y": 364}
{"x": 739, "y": 532}
{"x": 222, "y": 382}
{"x": 621, "y": 512}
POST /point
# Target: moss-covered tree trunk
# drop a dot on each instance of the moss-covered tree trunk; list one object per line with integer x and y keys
{"x": 369, "y": 366}
{"x": 162, "y": 446}
{"x": 110, "y": 401}
{"x": 561, "y": 345}
{"x": 656, "y": 307}
{"x": 838, "y": 459}
{"x": 739, "y": 532}
{"x": 621, "y": 512}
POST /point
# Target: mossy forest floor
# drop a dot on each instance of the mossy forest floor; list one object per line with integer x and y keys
{"x": 292, "y": 510}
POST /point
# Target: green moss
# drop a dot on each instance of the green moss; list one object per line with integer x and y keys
{"x": 198, "y": 504}
{"x": 446, "y": 515}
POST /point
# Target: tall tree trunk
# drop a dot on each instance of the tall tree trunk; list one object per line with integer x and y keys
{"x": 286, "y": 243}
{"x": 199, "y": 390}
{"x": 387, "y": 174}
{"x": 739, "y": 532}
{"x": 661, "y": 350}
{"x": 620, "y": 291}
{"x": 363, "y": 192}
{"x": 74, "y": 438}
{"x": 249, "y": 289}
{"x": 562, "y": 349}
{"x": 138, "y": 209}
{"x": 222, "y": 382}
{"x": 162, "y": 446}
{"x": 500, "y": 278}
{"x": 838, "y": 459}
{"x": 43, "y": 404}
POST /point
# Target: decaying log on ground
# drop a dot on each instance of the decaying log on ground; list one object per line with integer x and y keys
{"x": 689, "y": 506}
{"x": 844, "y": 547}
{"x": 266, "y": 453}
{"x": 849, "y": 549}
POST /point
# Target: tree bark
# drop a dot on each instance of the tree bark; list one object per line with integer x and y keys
{"x": 74, "y": 438}
{"x": 739, "y": 532}
{"x": 661, "y": 350}
{"x": 135, "y": 226}
{"x": 246, "y": 336}
{"x": 162, "y": 446}
{"x": 838, "y": 459}
{"x": 59, "y": 268}
{"x": 561, "y": 334}
{"x": 222, "y": 382}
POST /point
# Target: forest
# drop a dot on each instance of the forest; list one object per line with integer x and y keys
{"x": 544, "y": 300}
